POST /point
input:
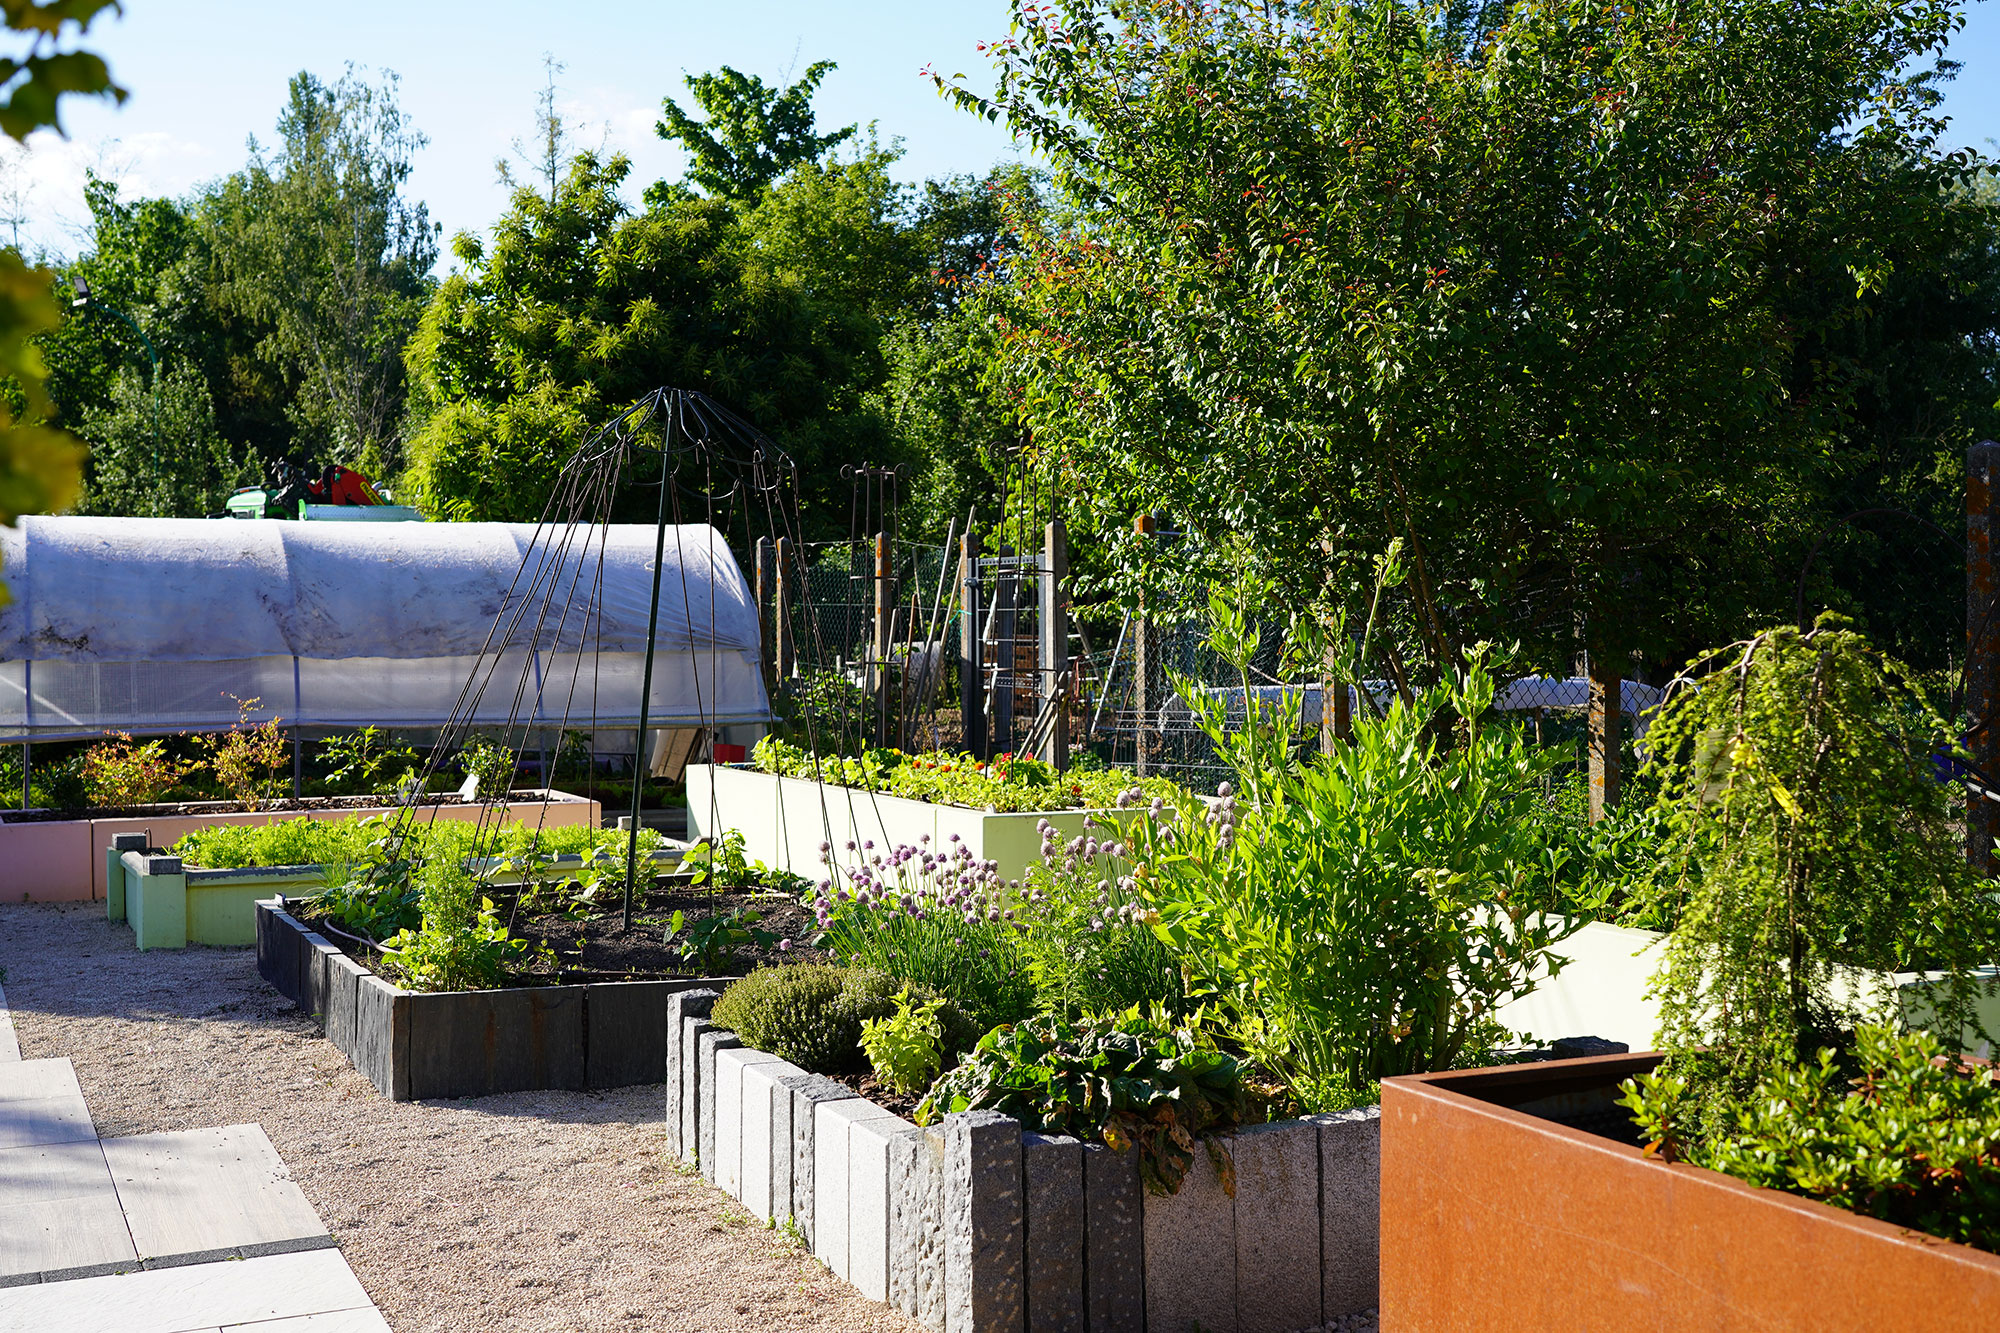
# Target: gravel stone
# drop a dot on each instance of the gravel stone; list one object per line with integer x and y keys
{"x": 550, "y": 1212}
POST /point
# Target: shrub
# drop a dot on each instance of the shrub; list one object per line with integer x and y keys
{"x": 811, "y": 1013}
{"x": 1811, "y": 838}
{"x": 247, "y": 759}
{"x": 1371, "y": 913}
{"x": 1133, "y": 1082}
{"x": 123, "y": 772}
{"x": 1899, "y": 1133}
{"x": 363, "y": 762}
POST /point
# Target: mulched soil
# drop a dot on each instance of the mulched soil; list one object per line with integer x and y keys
{"x": 865, "y": 1084}
{"x": 597, "y": 947}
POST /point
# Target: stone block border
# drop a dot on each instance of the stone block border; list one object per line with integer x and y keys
{"x": 974, "y": 1225}
{"x": 416, "y": 1044}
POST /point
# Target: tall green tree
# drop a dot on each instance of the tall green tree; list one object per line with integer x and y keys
{"x": 1518, "y": 283}
{"x": 319, "y": 242}
{"x": 753, "y": 133}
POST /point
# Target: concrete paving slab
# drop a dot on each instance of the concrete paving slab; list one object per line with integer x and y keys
{"x": 201, "y": 1190}
{"x": 190, "y": 1300}
{"x": 58, "y": 1210}
{"x": 10, "y": 1050}
{"x": 32, "y": 1080}
{"x": 44, "y": 1120}
{"x": 343, "y": 1321}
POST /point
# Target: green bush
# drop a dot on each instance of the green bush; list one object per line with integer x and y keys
{"x": 1007, "y": 783}
{"x": 1131, "y": 1082}
{"x": 1897, "y": 1132}
{"x": 811, "y": 1013}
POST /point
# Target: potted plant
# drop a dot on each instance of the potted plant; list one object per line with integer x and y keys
{"x": 1790, "y": 1160}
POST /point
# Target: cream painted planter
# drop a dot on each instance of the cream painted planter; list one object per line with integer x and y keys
{"x": 784, "y": 820}
{"x": 62, "y": 860}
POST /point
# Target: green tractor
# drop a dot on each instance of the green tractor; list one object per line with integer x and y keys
{"x": 336, "y": 493}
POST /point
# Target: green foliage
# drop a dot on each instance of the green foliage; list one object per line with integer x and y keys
{"x": 1542, "y": 291}
{"x": 1895, "y": 1130}
{"x": 491, "y": 763}
{"x": 307, "y": 841}
{"x": 939, "y": 919}
{"x": 247, "y": 759}
{"x": 905, "y": 1048}
{"x": 708, "y": 944}
{"x": 363, "y": 762}
{"x": 34, "y": 82}
{"x": 370, "y": 906}
{"x": 156, "y": 450}
{"x": 1131, "y": 1081}
{"x": 125, "y": 772}
{"x": 1085, "y": 936}
{"x": 318, "y": 245}
{"x": 1372, "y": 914}
{"x": 39, "y": 465}
{"x": 1007, "y": 783}
{"x": 1811, "y": 837}
{"x": 462, "y": 943}
{"x": 808, "y": 1013}
{"x": 753, "y": 135}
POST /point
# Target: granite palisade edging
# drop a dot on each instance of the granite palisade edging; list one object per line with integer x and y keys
{"x": 974, "y": 1225}
{"x": 417, "y": 1044}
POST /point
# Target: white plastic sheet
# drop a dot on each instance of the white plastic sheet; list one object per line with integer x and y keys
{"x": 157, "y": 625}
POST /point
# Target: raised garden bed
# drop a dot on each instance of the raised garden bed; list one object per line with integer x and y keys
{"x": 1502, "y": 1209}
{"x": 170, "y": 904}
{"x": 415, "y": 1044}
{"x": 59, "y": 856}
{"x": 973, "y": 1224}
{"x": 785, "y": 820}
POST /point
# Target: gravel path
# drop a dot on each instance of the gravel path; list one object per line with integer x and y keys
{"x": 535, "y": 1211}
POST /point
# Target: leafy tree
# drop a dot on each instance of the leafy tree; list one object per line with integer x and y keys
{"x": 1520, "y": 284}
{"x": 156, "y": 451}
{"x": 39, "y": 464}
{"x": 753, "y": 134}
{"x": 319, "y": 244}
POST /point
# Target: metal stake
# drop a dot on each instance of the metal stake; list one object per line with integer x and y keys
{"x": 639, "y": 757}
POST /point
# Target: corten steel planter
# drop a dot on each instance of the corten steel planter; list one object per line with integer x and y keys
{"x": 1495, "y": 1217}
{"x": 62, "y": 860}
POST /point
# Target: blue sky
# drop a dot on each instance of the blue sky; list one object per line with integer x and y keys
{"x": 205, "y": 74}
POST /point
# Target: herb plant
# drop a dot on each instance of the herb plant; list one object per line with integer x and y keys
{"x": 811, "y": 1013}
{"x": 942, "y": 919}
{"x": 1007, "y": 783}
{"x": 1381, "y": 902}
{"x": 1084, "y": 931}
{"x": 906, "y": 1048}
{"x": 462, "y": 944}
{"x": 1133, "y": 1082}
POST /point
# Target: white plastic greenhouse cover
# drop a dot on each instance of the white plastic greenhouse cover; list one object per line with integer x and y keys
{"x": 153, "y": 625}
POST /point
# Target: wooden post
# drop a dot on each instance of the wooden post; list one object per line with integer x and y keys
{"x": 971, "y": 655}
{"x": 1982, "y": 636}
{"x": 1145, "y": 649}
{"x": 885, "y": 610}
{"x": 766, "y": 579}
{"x": 1053, "y": 626}
{"x": 1336, "y": 720}
{"x": 1606, "y": 731}
{"x": 781, "y": 612}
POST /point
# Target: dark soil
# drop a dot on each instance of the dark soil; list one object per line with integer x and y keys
{"x": 902, "y": 1104}
{"x": 287, "y": 805}
{"x": 596, "y": 947}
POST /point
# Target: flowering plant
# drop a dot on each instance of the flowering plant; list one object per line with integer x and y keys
{"x": 937, "y": 917}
